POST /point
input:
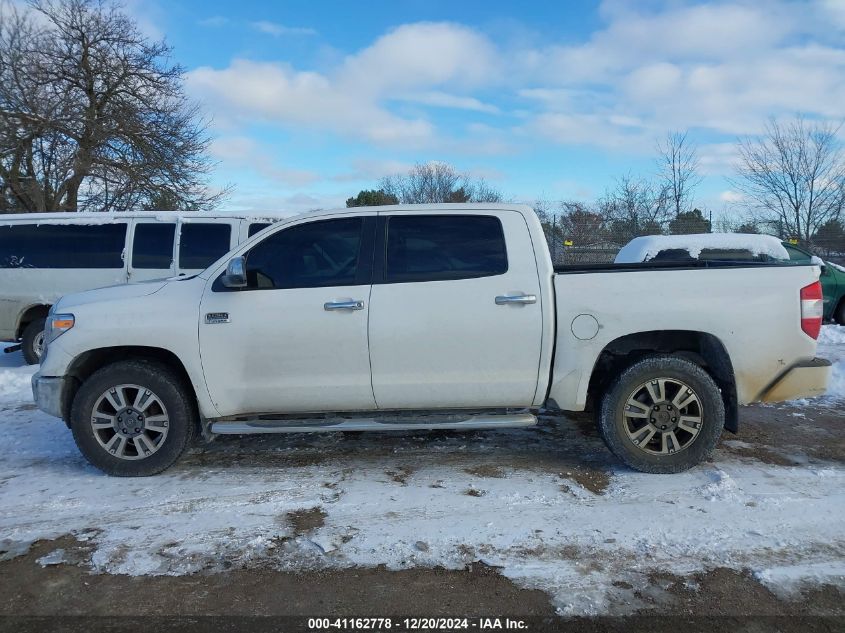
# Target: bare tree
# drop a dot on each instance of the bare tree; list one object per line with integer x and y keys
{"x": 93, "y": 115}
{"x": 794, "y": 176}
{"x": 437, "y": 182}
{"x": 634, "y": 207}
{"x": 678, "y": 163}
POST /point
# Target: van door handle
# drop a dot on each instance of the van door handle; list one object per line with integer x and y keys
{"x": 518, "y": 299}
{"x": 352, "y": 304}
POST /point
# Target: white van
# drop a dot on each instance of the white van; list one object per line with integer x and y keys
{"x": 46, "y": 255}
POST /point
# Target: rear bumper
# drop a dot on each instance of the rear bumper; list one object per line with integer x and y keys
{"x": 47, "y": 392}
{"x": 804, "y": 380}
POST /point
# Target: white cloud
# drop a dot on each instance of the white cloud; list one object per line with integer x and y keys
{"x": 243, "y": 151}
{"x": 351, "y": 98}
{"x": 445, "y": 100}
{"x": 371, "y": 170}
{"x": 731, "y": 197}
{"x": 721, "y": 68}
{"x": 278, "y": 30}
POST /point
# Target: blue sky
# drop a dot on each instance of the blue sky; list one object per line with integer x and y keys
{"x": 312, "y": 101}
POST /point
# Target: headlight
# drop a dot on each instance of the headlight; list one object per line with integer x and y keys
{"x": 57, "y": 324}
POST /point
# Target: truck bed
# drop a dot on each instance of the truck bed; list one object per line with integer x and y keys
{"x": 752, "y": 309}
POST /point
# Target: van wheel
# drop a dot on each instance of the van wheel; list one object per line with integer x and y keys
{"x": 133, "y": 418}
{"x": 664, "y": 414}
{"x": 32, "y": 341}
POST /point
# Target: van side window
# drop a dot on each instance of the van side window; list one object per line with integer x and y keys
{"x": 313, "y": 255}
{"x": 440, "y": 247}
{"x": 201, "y": 244}
{"x": 256, "y": 227}
{"x": 152, "y": 246}
{"x": 62, "y": 245}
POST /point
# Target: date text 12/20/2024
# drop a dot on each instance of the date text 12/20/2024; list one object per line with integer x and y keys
{"x": 417, "y": 624}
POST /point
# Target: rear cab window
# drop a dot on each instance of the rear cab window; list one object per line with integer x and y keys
{"x": 63, "y": 245}
{"x": 444, "y": 247}
{"x": 203, "y": 243}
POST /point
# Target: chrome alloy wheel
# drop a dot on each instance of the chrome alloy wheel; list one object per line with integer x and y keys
{"x": 130, "y": 421}
{"x": 38, "y": 344}
{"x": 663, "y": 416}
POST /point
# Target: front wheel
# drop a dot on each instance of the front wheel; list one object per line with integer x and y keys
{"x": 133, "y": 418}
{"x": 664, "y": 414}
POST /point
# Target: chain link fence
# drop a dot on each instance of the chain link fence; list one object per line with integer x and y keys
{"x": 587, "y": 239}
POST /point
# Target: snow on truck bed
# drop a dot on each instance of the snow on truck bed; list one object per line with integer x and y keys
{"x": 548, "y": 506}
{"x": 642, "y": 249}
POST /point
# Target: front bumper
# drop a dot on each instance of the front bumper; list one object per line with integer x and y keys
{"x": 47, "y": 392}
{"x": 807, "y": 379}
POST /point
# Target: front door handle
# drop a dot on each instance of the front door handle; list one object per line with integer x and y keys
{"x": 518, "y": 299}
{"x": 351, "y": 304}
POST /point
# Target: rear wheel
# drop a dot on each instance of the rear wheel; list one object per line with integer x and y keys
{"x": 664, "y": 414}
{"x": 32, "y": 342}
{"x": 839, "y": 314}
{"x": 133, "y": 418}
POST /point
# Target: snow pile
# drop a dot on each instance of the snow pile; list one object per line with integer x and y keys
{"x": 644, "y": 248}
{"x": 832, "y": 347}
{"x": 15, "y": 377}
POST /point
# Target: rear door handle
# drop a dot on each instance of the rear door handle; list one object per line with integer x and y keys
{"x": 351, "y": 304}
{"x": 519, "y": 299}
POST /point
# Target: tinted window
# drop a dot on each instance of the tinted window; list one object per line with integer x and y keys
{"x": 313, "y": 255}
{"x": 436, "y": 247}
{"x": 152, "y": 246}
{"x": 202, "y": 244}
{"x": 62, "y": 245}
{"x": 255, "y": 227}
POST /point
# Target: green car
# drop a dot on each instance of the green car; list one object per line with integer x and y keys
{"x": 833, "y": 284}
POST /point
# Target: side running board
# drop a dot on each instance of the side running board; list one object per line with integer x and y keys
{"x": 399, "y": 423}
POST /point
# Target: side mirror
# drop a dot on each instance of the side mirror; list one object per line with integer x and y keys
{"x": 235, "y": 276}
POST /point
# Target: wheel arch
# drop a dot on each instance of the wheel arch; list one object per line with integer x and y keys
{"x": 92, "y": 360}
{"x": 702, "y": 348}
{"x": 30, "y": 314}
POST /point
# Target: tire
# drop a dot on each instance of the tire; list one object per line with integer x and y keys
{"x": 839, "y": 313}
{"x": 655, "y": 435}
{"x": 162, "y": 425}
{"x": 32, "y": 341}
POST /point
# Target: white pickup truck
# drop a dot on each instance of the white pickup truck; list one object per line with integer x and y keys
{"x": 427, "y": 317}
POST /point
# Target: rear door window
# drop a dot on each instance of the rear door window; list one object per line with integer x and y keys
{"x": 201, "y": 244}
{"x": 152, "y": 246}
{"x": 442, "y": 247}
{"x": 63, "y": 245}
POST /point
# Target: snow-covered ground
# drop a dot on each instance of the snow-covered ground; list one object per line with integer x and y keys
{"x": 832, "y": 347}
{"x": 521, "y": 500}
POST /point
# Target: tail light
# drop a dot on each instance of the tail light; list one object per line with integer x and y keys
{"x": 812, "y": 309}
